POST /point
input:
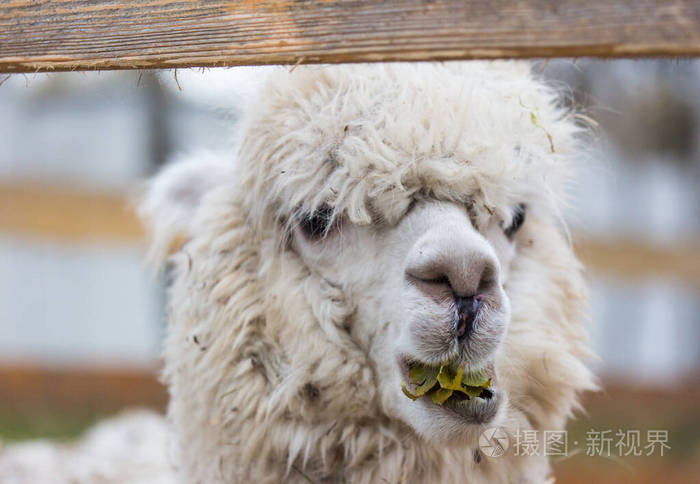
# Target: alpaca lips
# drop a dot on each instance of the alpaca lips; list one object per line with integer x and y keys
{"x": 441, "y": 382}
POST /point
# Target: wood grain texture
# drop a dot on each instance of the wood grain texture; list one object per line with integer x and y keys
{"x": 81, "y": 34}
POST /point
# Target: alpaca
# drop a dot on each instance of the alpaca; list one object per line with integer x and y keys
{"x": 373, "y": 218}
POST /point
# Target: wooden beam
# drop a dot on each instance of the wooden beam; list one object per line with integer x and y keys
{"x": 634, "y": 259}
{"x": 83, "y": 34}
{"x": 102, "y": 389}
{"x": 65, "y": 213}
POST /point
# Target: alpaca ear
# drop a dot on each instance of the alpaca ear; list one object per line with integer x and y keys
{"x": 173, "y": 196}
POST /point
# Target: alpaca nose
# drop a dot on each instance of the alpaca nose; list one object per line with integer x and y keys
{"x": 462, "y": 278}
{"x": 464, "y": 273}
{"x": 467, "y": 310}
{"x": 454, "y": 266}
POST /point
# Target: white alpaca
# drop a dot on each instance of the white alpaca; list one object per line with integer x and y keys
{"x": 374, "y": 217}
{"x": 367, "y": 207}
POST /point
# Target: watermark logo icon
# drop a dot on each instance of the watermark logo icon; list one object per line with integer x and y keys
{"x": 494, "y": 442}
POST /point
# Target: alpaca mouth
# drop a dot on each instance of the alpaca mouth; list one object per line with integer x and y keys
{"x": 451, "y": 387}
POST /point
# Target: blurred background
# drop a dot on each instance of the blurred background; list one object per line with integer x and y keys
{"x": 81, "y": 318}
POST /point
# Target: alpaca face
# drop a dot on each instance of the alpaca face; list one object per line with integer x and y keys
{"x": 414, "y": 212}
{"x": 427, "y": 289}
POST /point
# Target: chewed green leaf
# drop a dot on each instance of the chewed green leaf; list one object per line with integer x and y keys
{"x": 449, "y": 378}
{"x": 441, "y": 382}
{"x": 423, "y": 378}
{"x": 421, "y": 373}
{"x": 440, "y": 395}
{"x": 472, "y": 391}
{"x": 425, "y": 388}
{"x": 407, "y": 393}
{"x": 476, "y": 379}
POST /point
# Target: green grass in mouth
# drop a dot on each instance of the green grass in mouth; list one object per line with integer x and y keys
{"x": 440, "y": 382}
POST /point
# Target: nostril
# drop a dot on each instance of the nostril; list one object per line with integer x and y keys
{"x": 435, "y": 286}
{"x": 438, "y": 280}
{"x": 487, "y": 280}
{"x": 429, "y": 275}
{"x": 467, "y": 310}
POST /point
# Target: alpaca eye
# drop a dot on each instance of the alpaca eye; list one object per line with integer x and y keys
{"x": 517, "y": 222}
{"x": 317, "y": 224}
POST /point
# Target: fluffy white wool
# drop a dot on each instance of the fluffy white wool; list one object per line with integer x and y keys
{"x": 277, "y": 365}
{"x": 281, "y": 352}
{"x": 128, "y": 449}
{"x": 172, "y": 197}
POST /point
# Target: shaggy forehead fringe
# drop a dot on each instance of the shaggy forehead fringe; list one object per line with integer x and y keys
{"x": 367, "y": 139}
